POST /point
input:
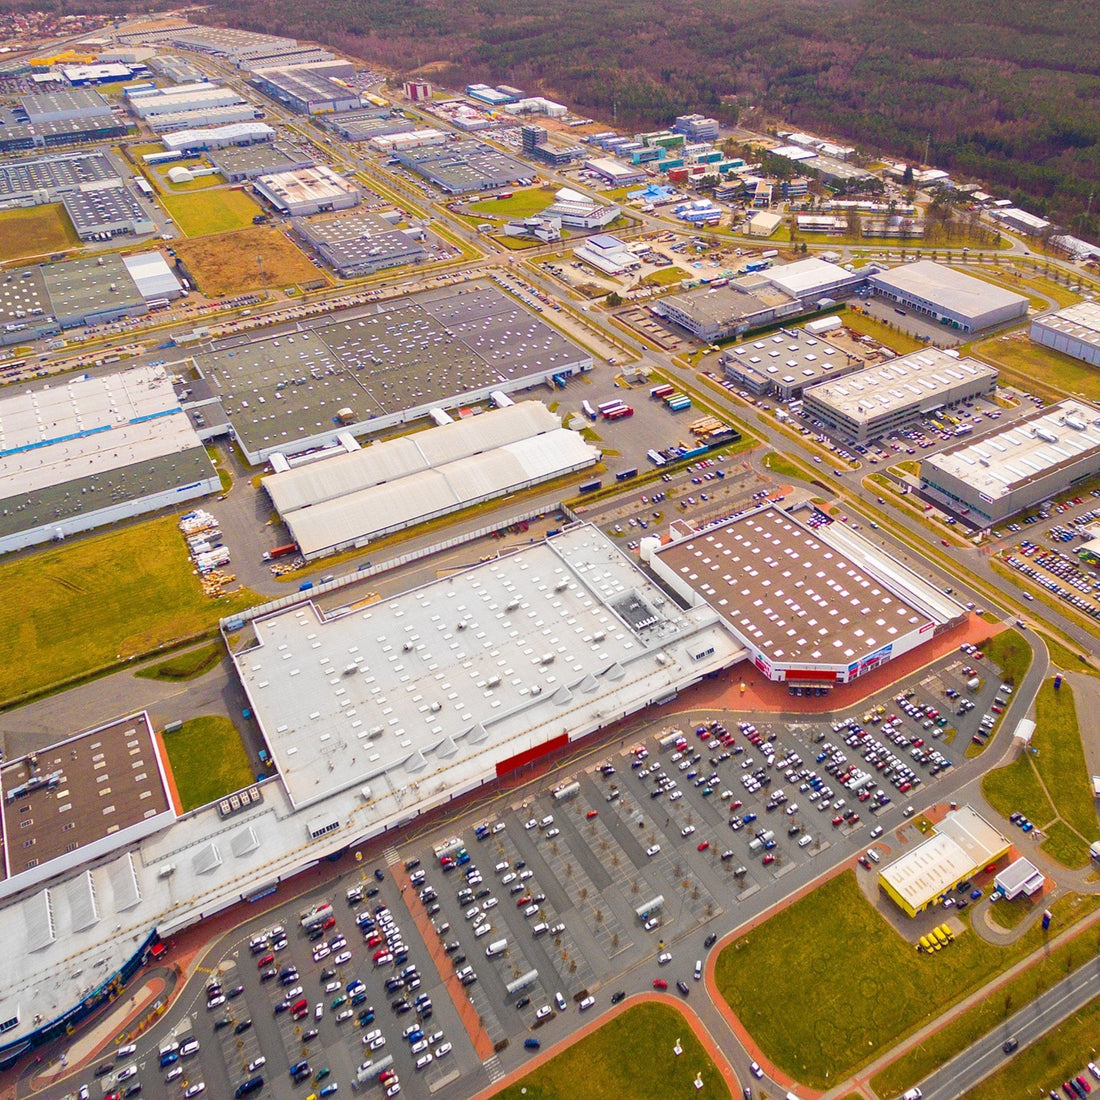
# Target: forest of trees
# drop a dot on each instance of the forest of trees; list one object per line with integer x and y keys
{"x": 1007, "y": 93}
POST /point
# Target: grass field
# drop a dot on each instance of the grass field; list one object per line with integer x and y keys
{"x": 784, "y": 467}
{"x": 958, "y": 1034}
{"x": 230, "y": 263}
{"x": 1042, "y": 1066}
{"x": 522, "y": 204}
{"x": 184, "y": 666}
{"x": 1010, "y": 652}
{"x": 666, "y": 276}
{"x": 858, "y": 985}
{"x": 202, "y": 213}
{"x": 883, "y": 333}
{"x": 629, "y": 1056}
{"x": 1065, "y": 810}
{"x": 1061, "y": 656}
{"x": 86, "y": 604}
{"x": 1037, "y": 368}
{"x": 208, "y": 760}
{"x": 36, "y": 231}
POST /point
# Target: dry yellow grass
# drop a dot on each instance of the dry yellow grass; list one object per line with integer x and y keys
{"x": 36, "y": 231}
{"x": 229, "y": 263}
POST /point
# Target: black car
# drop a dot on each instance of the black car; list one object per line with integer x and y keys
{"x": 133, "y": 1090}
{"x": 617, "y": 996}
{"x": 412, "y": 864}
{"x": 236, "y": 991}
{"x": 458, "y": 959}
{"x": 222, "y": 1021}
{"x": 682, "y": 986}
{"x": 104, "y": 1069}
{"x": 328, "y": 974}
{"x": 380, "y": 874}
{"x": 311, "y": 1034}
{"x": 242, "y": 1027}
{"x": 1009, "y": 1045}
{"x": 401, "y": 1007}
{"x": 523, "y": 1002}
{"x": 711, "y": 940}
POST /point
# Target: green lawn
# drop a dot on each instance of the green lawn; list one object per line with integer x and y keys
{"x": 630, "y": 1056}
{"x": 784, "y": 467}
{"x": 184, "y": 666}
{"x": 859, "y": 987}
{"x": 1015, "y": 788}
{"x": 1063, "y": 657}
{"x": 1037, "y": 368}
{"x": 522, "y": 204}
{"x": 86, "y": 604}
{"x": 883, "y": 333}
{"x": 942, "y": 1045}
{"x": 208, "y": 760}
{"x": 1042, "y": 1066}
{"x": 1011, "y": 653}
{"x": 201, "y": 213}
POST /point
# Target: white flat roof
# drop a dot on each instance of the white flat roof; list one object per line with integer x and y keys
{"x": 963, "y": 842}
{"x": 807, "y": 276}
{"x": 880, "y": 389}
{"x": 429, "y": 690}
{"x": 1080, "y": 321}
{"x": 87, "y": 425}
{"x": 998, "y": 462}
{"x": 1020, "y": 876}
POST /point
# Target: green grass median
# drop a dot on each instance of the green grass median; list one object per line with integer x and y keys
{"x": 208, "y": 760}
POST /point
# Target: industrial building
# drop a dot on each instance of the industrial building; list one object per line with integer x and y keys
{"x": 88, "y": 451}
{"x": 211, "y": 118}
{"x": 783, "y": 363}
{"x": 219, "y": 137}
{"x": 416, "y": 90}
{"x": 306, "y": 191}
{"x": 1019, "y": 877}
{"x": 764, "y": 223}
{"x": 413, "y": 139}
{"x": 46, "y": 179}
{"x": 813, "y": 607}
{"x": 1043, "y": 453}
{"x": 17, "y": 134}
{"x": 812, "y": 280}
{"x": 147, "y": 103}
{"x": 359, "y": 244}
{"x": 439, "y": 691}
{"x": 714, "y": 313}
{"x": 317, "y": 89}
{"x": 461, "y": 166}
{"x": 390, "y": 364}
{"x": 537, "y": 146}
{"x": 960, "y": 845}
{"x": 607, "y": 254}
{"x": 949, "y": 297}
{"x": 886, "y": 398}
{"x": 84, "y": 76}
{"x": 107, "y": 208}
{"x": 176, "y": 69}
{"x": 1074, "y": 330}
{"x": 359, "y": 495}
{"x": 63, "y": 106}
{"x": 577, "y": 211}
{"x": 696, "y": 128}
{"x": 155, "y": 280}
{"x": 615, "y": 172}
{"x": 247, "y": 162}
{"x": 365, "y": 125}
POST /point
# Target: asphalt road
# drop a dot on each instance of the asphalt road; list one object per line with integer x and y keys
{"x": 1036, "y": 1018}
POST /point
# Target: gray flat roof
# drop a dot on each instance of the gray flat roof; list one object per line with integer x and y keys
{"x": 1001, "y": 460}
{"x": 101, "y": 205}
{"x": 259, "y": 159}
{"x": 789, "y": 357}
{"x": 21, "y": 293}
{"x": 65, "y": 171}
{"x": 882, "y": 388}
{"x": 944, "y": 286}
{"x": 793, "y": 594}
{"x": 428, "y": 690}
{"x": 431, "y": 347}
{"x": 85, "y": 287}
{"x": 359, "y": 238}
{"x": 740, "y": 298}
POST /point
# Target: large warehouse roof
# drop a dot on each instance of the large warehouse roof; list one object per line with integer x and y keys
{"x": 428, "y": 692}
{"x": 914, "y": 377}
{"x": 805, "y": 596}
{"x": 352, "y": 498}
{"x": 962, "y": 843}
{"x": 938, "y": 284}
{"x": 997, "y": 463}
{"x": 1080, "y": 321}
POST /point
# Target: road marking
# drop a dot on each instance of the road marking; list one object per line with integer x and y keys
{"x": 494, "y": 1069}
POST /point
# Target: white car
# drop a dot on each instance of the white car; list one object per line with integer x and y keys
{"x": 173, "y": 1073}
{"x": 257, "y": 1063}
{"x": 321, "y": 952}
{"x": 653, "y": 850}
{"x": 755, "y": 1070}
{"x": 550, "y": 833}
{"x": 442, "y": 1050}
{"x": 343, "y": 1017}
{"x": 489, "y": 903}
{"x": 378, "y": 1043}
{"x": 499, "y": 827}
{"x": 532, "y": 824}
{"x": 510, "y": 877}
{"x": 876, "y": 832}
{"x": 587, "y": 1003}
{"x": 343, "y": 957}
{"x": 687, "y": 830}
{"x": 543, "y": 1012}
{"x": 664, "y": 958}
{"x": 215, "y": 1001}
{"x": 194, "y": 1090}
{"x": 319, "y": 1010}
{"x": 331, "y": 987}
{"x": 129, "y": 1071}
{"x": 423, "y": 1062}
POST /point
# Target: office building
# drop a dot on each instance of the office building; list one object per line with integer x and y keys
{"x": 782, "y": 364}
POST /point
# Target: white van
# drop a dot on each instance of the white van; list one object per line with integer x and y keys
{"x": 804, "y": 841}
{"x": 495, "y": 948}
{"x": 872, "y": 855}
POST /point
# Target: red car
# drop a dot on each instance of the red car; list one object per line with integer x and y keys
{"x": 703, "y": 846}
{"x": 591, "y": 814}
{"x": 267, "y": 960}
{"x": 768, "y": 860}
{"x": 865, "y": 863}
{"x": 525, "y": 900}
{"x": 838, "y": 820}
{"x": 736, "y": 805}
{"x": 329, "y": 922}
{"x": 660, "y": 983}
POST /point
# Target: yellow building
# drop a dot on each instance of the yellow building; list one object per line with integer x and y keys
{"x": 960, "y": 845}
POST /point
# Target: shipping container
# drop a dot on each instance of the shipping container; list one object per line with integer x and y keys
{"x": 619, "y": 414}
{"x": 626, "y": 475}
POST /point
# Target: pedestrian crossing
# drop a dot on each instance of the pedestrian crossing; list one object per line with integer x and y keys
{"x": 494, "y": 1069}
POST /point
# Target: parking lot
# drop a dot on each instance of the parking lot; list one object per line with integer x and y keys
{"x": 501, "y": 929}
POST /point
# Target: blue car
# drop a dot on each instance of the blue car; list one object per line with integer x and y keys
{"x": 532, "y": 1044}
{"x": 169, "y": 1059}
{"x": 748, "y": 819}
{"x": 329, "y": 1090}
